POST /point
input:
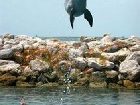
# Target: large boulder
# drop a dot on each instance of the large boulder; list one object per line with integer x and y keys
{"x": 39, "y": 65}
{"x": 129, "y": 69}
{"x": 6, "y": 53}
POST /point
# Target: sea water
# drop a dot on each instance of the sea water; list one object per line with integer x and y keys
{"x": 76, "y": 96}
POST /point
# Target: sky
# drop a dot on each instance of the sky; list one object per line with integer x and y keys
{"x": 49, "y": 18}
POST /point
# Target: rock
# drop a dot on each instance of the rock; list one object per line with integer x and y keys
{"x": 82, "y": 82}
{"x": 8, "y": 80}
{"x": 117, "y": 56}
{"x": 1, "y": 41}
{"x": 39, "y": 65}
{"x": 80, "y": 63}
{"x": 129, "y": 84}
{"x": 134, "y": 56}
{"x": 112, "y": 76}
{"x": 92, "y": 63}
{"x": 18, "y": 57}
{"x": 137, "y": 84}
{"x": 130, "y": 69}
{"x": 8, "y": 36}
{"x": 100, "y": 63}
{"x": 98, "y": 77}
{"x": 18, "y": 47}
{"x": 74, "y": 53}
{"x": 114, "y": 86}
{"x": 48, "y": 85}
{"x": 7, "y": 46}
{"x": 98, "y": 85}
{"x": 86, "y": 39}
{"x": 24, "y": 84}
{"x": 135, "y": 48}
{"x": 84, "y": 48}
{"x": 9, "y": 66}
{"x": 6, "y": 53}
{"x": 107, "y": 40}
{"x": 76, "y": 44}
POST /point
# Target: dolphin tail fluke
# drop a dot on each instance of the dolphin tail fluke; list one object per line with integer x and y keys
{"x": 72, "y": 18}
{"x": 88, "y": 17}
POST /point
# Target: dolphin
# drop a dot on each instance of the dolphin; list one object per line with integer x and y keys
{"x": 76, "y": 8}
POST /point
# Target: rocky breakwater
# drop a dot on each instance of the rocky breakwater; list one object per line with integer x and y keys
{"x": 32, "y": 62}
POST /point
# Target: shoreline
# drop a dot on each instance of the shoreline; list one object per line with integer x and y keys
{"x": 105, "y": 62}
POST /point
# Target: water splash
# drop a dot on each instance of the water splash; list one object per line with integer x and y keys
{"x": 67, "y": 81}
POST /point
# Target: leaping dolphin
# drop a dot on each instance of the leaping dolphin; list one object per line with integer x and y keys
{"x": 76, "y": 8}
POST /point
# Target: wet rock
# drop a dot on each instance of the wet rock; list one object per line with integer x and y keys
{"x": 112, "y": 76}
{"x": 38, "y": 65}
{"x": 114, "y": 86}
{"x": 80, "y": 63}
{"x": 130, "y": 69}
{"x": 6, "y": 53}
{"x": 82, "y": 82}
{"x": 98, "y": 77}
{"x": 42, "y": 78}
{"x": 137, "y": 84}
{"x": 8, "y": 80}
{"x": 100, "y": 63}
{"x": 98, "y": 84}
{"x": 48, "y": 85}
{"x": 129, "y": 84}
{"x": 24, "y": 84}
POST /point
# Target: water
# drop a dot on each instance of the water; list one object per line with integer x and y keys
{"x": 78, "y": 96}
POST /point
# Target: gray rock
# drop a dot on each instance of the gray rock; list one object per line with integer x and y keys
{"x": 6, "y": 53}
{"x": 93, "y": 63}
{"x": 8, "y": 36}
{"x": 80, "y": 63}
{"x": 134, "y": 56}
{"x": 129, "y": 69}
{"x": 74, "y": 53}
{"x": 106, "y": 40}
{"x": 1, "y": 41}
{"x": 9, "y": 66}
{"x": 18, "y": 47}
{"x": 39, "y": 65}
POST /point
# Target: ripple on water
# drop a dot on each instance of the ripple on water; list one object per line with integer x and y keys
{"x": 78, "y": 96}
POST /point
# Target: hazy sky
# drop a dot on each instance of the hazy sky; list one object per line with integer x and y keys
{"x": 48, "y": 18}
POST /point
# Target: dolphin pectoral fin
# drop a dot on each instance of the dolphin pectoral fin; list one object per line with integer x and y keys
{"x": 88, "y": 17}
{"x": 72, "y": 18}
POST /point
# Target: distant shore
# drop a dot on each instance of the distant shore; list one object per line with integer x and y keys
{"x": 96, "y": 62}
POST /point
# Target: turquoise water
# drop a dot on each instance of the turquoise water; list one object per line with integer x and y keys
{"x": 77, "y": 96}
